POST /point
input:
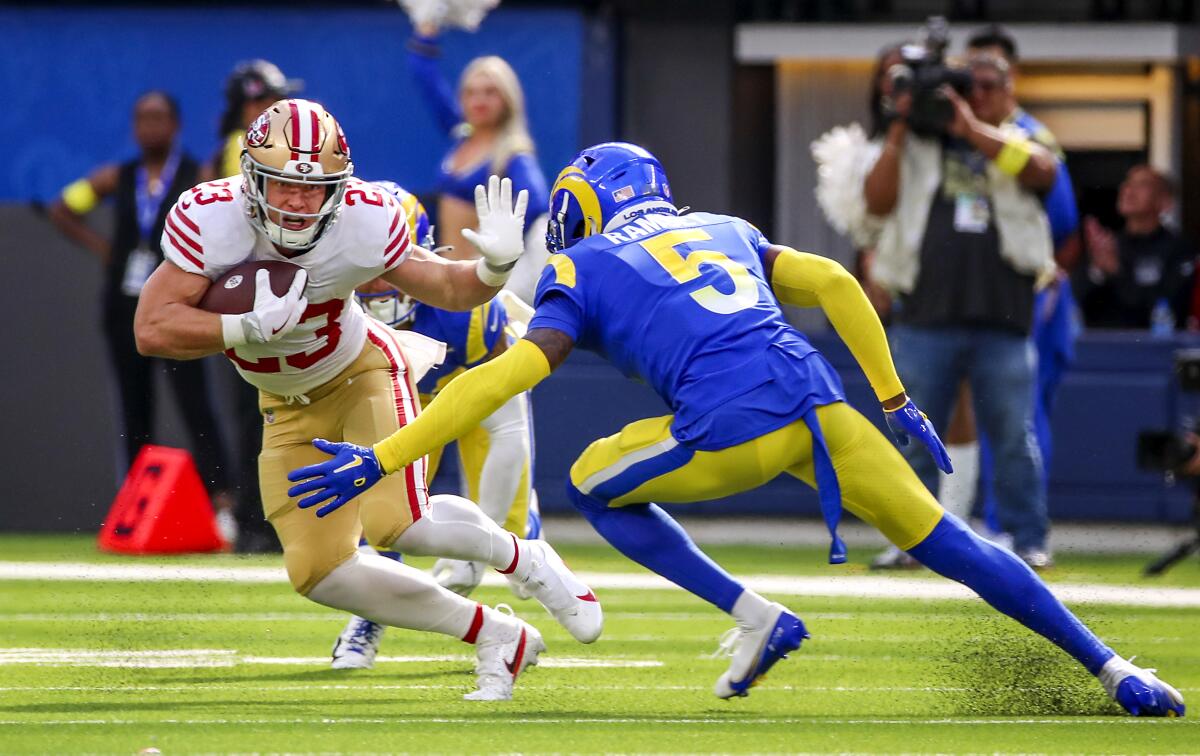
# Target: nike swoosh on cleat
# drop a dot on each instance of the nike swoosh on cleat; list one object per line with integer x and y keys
{"x": 357, "y": 461}
{"x": 589, "y": 596}
{"x": 277, "y": 330}
{"x": 514, "y": 666}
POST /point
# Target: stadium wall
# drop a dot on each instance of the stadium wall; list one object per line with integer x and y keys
{"x": 71, "y": 76}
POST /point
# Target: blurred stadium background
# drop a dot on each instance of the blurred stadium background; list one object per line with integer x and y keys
{"x": 728, "y": 93}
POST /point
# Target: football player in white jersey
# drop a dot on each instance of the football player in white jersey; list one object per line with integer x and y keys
{"x": 324, "y": 369}
{"x": 495, "y": 459}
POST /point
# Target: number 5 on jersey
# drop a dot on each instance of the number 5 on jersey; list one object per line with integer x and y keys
{"x": 685, "y": 269}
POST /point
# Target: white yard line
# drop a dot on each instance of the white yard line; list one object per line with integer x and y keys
{"x": 852, "y": 586}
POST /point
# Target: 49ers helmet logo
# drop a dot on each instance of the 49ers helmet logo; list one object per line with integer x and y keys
{"x": 256, "y": 135}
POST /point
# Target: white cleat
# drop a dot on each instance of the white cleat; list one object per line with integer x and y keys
{"x": 518, "y": 588}
{"x": 458, "y": 575}
{"x": 358, "y": 644}
{"x": 565, "y": 596}
{"x": 756, "y": 649}
{"x": 505, "y": 647}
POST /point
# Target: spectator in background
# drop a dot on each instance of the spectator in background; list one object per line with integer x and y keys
{"x": 1054, "y": 320}
{"x": 251, "y": 88}
{"x": 144, "y": 189}
{"x": 1143, "y": 266}
{"x": 1059, "y": 201}
{"x": 491, "y": 136}
{"x": 963, "y": 239}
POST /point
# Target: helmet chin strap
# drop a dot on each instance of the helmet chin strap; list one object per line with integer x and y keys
{"x": 637, "y": 210}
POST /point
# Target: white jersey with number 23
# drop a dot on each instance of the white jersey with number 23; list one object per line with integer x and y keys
{"x": 207, "y": 233}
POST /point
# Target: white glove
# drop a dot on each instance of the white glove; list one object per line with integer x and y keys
{"x": 457, "y": 575}
{"x": 501, "y": 235}
{"x": 272, "y": 317}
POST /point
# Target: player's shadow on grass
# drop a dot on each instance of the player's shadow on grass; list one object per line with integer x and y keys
{"x": 333, "y": 676}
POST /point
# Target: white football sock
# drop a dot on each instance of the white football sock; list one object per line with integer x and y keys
{"x": 956, "y": 493}
{"x": 457, "y": 529}
{"x": 391, "y": 593}
{"x": 750, "y": 608}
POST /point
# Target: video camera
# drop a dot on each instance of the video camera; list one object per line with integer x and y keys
{"x": 1169, "y": 450}
{"x": 923, "y": 72}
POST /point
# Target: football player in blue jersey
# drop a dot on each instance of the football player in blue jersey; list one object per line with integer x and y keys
{"x": 691, "y": 305}
{"x": 496, "y": 457}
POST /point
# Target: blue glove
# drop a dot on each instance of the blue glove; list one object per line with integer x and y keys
{"x": 352, "y": 470}
{"x": 908, "y": 421}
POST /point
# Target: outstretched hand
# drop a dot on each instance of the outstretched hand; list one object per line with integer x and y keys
{"x": 352, "y": 470}
{"x": 906, "y": 421}
{"x": 501, "y": 235}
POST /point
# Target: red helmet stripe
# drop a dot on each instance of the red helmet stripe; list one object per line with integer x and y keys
{"x": 295, "y": 128}
{"x": 316, "y": 135}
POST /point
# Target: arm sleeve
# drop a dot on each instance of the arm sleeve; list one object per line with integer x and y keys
{"x": 464, "y": 403}
{"x": 806, "y": 280}
{"x": 507, "y": 457}
{"x": 422, "y": 62}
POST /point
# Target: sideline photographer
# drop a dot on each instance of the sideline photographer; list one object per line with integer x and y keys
{"x": 963, "y": 238}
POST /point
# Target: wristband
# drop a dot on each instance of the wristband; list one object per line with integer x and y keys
{"x": 80, "y": 197}
{"x": 232, "y": 331}
{"x": 492, "y": 276}
{"x": 1014, "y": 156}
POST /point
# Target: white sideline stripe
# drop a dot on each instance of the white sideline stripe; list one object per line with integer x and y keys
{"x": 417, "y": 720}
{"x": 188, "y": 658}
{"x": 850, "y": 586}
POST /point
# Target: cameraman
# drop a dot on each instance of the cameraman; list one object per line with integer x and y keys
{"x": 963, "y": 239}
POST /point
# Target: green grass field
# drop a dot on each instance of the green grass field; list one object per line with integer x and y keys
{"x": 186, "y": 666}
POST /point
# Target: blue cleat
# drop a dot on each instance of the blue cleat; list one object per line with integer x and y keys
{"x": 358, "y": 644}
{"x": 755, "y": 650}
{"x": 1139, "y": 691}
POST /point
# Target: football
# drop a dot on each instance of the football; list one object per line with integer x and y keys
{"x": 233, "y": 292}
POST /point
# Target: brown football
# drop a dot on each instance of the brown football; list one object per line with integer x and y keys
{"x": 233, "y": 292}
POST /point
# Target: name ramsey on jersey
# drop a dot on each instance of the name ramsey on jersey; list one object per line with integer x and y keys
{"x": 207, "y": 233}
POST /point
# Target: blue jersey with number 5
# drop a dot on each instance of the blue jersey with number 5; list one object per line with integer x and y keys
{"x": 682, "y": 303}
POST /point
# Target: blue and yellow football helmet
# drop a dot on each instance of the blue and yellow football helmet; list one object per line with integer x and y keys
{"x": 603, "y": 187}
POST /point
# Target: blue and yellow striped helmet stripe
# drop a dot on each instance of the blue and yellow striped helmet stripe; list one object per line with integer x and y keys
{"x": 572, "y": 180}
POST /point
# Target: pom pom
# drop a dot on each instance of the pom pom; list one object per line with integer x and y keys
{"x": 844, "y": 157}
{"x": 462, "y": 14}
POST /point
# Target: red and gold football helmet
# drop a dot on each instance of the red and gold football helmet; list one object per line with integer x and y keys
{"x": 295, "y": 142}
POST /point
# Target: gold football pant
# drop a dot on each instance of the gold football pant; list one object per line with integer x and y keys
{"x": 644, "y": 463}
{"x": 367, "y": 401}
